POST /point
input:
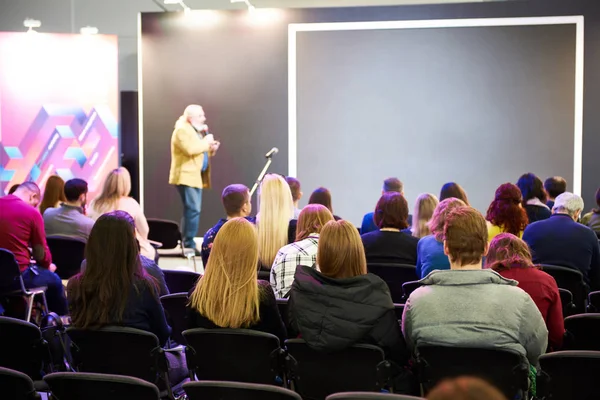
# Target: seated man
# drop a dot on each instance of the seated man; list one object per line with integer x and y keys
{"x": 560, "y": 240}
{"x": 390, "y": 185}
{"x": 296, "y": 194}
{"x": 470, "y": 307}
{"x": 237, "y": 203}
{"x": 21, "y": 227}
{"x": 555, "y": 186}
{"x": 68, "y": 220}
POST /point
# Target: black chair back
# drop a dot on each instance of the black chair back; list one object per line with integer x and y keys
{"x": 318, "y": 374}
{"x": 79, "y": 385}
{"x": 176, "y": 313}
{"x": 67, "y": 254}
{"x": 181, "y": 281}
{"x": 10, "y": 274}
{"x": 408, "y": 288}
{"x": 569, "y": 375}
{"x": 22, "y": 347}
{"x": 566, "y": 299}
{"x": 236, "y": 391}
{"x": 282, "y": 304}
{"x": 117, "y": 350}
{"x": 594, "y": 302}
{"x": 17, "y": 386}
{"x": 239, "y": 355}
{"x": 395, "y": 275}
{"x": 371, "y": 396}
{"x": 505, "y": 370}
{"x": 164, "y": 231}
{"x": 583, "y": 332}
{"x": 572, "y": 280}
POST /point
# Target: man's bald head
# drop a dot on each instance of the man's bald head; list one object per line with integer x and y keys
{"x": 29, "y": 192}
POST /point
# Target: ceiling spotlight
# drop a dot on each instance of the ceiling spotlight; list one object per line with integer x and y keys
{"x": 89, "y": 30}
{"x": 31, "y": 24}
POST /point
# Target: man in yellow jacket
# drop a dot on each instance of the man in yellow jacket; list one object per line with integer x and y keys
{"x": 191, "y": 149}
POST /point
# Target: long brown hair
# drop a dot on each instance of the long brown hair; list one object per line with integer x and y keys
{"x": 453, "y": 190}
{"x": 228, "y": 293}
{"x": 506, "y": 211}
{"x": 321, "y": 196}
{"x": 312, "y": 218}
{"x": 98, "y": 296}
{"x": 341, "y": 253}
{"x": 507, "y": 251}
{"x": 53, "y": 193}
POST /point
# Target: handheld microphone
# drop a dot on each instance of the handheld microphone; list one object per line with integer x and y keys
{"x": 272, "y": 152}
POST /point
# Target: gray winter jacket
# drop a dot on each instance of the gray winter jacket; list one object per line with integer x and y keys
{"x": 474, "y": 308}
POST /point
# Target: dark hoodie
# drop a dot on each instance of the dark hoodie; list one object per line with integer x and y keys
{"x": 333, "y": 314}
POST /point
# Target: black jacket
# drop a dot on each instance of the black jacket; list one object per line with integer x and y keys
{"x": 333, "y": 314}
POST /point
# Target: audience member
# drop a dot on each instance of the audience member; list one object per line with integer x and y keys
{"x": 115, "y": 196}
{"x": 554, "y": 186}
{"x": 506, "y": 213}
{"x": 296, "y": 194}
{"x": 342, "y": 304}
{"x": 229, "y": 295}
{"x": 592, "y": 219}
{"x": 69, "y": 220}
{"x": 274, "y": 220}
{"x": 389, "y": 185}
{"x": 465, "y": 388}
{"x": 510, "y": 257}
{"x": 453, "y": 189}
{"x": 302, "y": 252}
{"x": 237, "y": 203}
{"x": 22, "y": 227}
{"x": 560, "y": 240}
{"x": 13, "y": 188}
{"x": 114, "y": 288}
{"x": 430, "y": 249}
{"x": 389, "y": 244}
{"x": 424, "y": 208}
{"x": 53, "y": 193}
{"x": 534, "y": 197}
{"x": 323, "y": 196}
{"x": 470, "y": 307}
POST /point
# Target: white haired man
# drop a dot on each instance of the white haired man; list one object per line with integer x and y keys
{"x": 560, "y": 240}
{"x": 191, "y": 148}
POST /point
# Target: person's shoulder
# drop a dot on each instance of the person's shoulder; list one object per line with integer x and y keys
{"x": 370, "y": 235}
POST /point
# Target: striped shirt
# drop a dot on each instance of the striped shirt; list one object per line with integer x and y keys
{"x": 303, "y": 252}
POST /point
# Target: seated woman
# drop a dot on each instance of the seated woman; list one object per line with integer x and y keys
{"x": 430, "y": 249}
{"x": 453, "y": 190}
{"x": 389, "y": 244}
{"x": 510, "y": 257}
{"x": 505, "y": 213}
{"x": 302, "y": 252}
{"x": 534, "y": 197}
{"x": 323, "y": 196}
{"x": 470, "y": 307}
{"x": 592, "y": 219}
{"x": 114, "y": 288}
{"x": 54, "y": 193}
{"x": 228, "y": 295}
{"x": 342, "y": 304}
{"x": 115, "y": 196}
{"x": 424, "y": 208}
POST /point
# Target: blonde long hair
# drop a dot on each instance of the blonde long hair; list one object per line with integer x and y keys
{"x": 424, "y": 208}
{"x": 228, "y": 293}
{"x": 276, "y": 209}
{"x": 116, "y": 185}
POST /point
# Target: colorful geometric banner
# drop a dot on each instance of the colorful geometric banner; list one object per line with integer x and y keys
{"x": 58, "y": 108}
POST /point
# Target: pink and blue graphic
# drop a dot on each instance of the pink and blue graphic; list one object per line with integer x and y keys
{"x": 58, "y": 108}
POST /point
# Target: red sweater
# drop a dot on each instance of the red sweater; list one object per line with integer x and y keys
{"x": 22, "y": 226}
{"x": 543, "y": 290}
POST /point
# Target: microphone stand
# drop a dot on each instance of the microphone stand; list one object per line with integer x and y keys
{"x": 262, "y": 174}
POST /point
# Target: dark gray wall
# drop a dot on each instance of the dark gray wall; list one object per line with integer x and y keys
{"x": 239, "y": 74}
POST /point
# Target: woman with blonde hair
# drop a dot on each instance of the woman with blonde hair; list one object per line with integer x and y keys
{"x": 229, "y": 295}
{"x": 303, "y": 251}
{"x": 276, "y": 209}
{"x": 424, "y": 208}
{"x": 115, "y": 196}
{"x": 54, "y": 193}
{"x": 340, "y": 304}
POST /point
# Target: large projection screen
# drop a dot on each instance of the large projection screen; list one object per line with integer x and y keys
{"x": 478, "y": 102}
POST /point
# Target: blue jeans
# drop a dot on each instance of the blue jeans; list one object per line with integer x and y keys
{"x": 192, "y": 203}
{"x": 55, "y": 294}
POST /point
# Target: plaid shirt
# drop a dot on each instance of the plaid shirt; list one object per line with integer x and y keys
{"x": 288, "y": 258}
